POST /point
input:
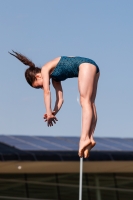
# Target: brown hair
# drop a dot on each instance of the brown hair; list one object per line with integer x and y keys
{"x": 31, "y": 71}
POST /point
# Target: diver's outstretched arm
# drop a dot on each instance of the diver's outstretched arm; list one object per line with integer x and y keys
{"x": 49, "y": 116}
{"x": 59, "y": 96}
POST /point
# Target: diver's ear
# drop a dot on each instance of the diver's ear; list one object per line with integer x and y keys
{"x": 38, "y": 75}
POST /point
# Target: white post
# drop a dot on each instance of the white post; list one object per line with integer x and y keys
{"x": 80, "y": 178}
{"x": 81, "y": 167}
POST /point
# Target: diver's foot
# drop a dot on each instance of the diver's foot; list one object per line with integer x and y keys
{"x": 93, "y": 143}
{"x": 88, "y": 148}
{"x": 82, "y": 145}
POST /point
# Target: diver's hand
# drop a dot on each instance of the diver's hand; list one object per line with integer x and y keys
{"x": 50, "y": 119}
{"x": 45, "y": 115}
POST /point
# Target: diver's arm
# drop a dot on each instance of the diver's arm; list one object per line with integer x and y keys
{"x": 46, "y": 89}
{"x": 59, "y": 96}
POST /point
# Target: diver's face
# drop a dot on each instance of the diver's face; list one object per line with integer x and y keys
{"x": 38, "y": 83}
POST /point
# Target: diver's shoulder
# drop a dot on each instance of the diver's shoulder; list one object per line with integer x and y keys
{"x": 51, "y": 64}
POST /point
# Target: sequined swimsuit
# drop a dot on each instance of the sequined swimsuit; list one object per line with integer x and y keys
{"x": 68, "y": 67}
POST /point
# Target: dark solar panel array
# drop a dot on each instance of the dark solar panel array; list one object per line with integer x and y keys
{"x": 46, "y": 143}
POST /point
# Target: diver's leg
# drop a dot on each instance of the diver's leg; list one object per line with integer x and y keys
{"x": 86, "y": 79}
{"x": 94, "y": 119}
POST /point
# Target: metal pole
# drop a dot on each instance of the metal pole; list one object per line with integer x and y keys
{"x": 81, "y": 167}
{"x": 80, "y": 178}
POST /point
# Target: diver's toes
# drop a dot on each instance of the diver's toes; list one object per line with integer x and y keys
{"x": 80, "y": 153}
{"x": 86, "y": 152}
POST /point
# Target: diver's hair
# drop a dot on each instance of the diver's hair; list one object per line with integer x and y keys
{"x": 31, "y": 71}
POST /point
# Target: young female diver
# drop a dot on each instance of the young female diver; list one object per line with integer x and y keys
{"x": 58, "y": 70}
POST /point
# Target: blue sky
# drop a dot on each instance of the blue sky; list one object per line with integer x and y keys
{"x": 42, "y": 30}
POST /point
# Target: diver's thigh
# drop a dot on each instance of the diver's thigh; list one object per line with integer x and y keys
{"x": 86, "y": 79}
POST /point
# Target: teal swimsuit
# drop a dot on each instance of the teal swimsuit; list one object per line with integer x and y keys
{"x": 68, "y": 67}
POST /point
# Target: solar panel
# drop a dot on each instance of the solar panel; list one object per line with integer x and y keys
{"x": 53, "y": 142}
{"x": 60, "y": 143}
{"x": 106, "y": 145}
{"x": 119, "y": 143}
{"x": 19, "y": 143}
